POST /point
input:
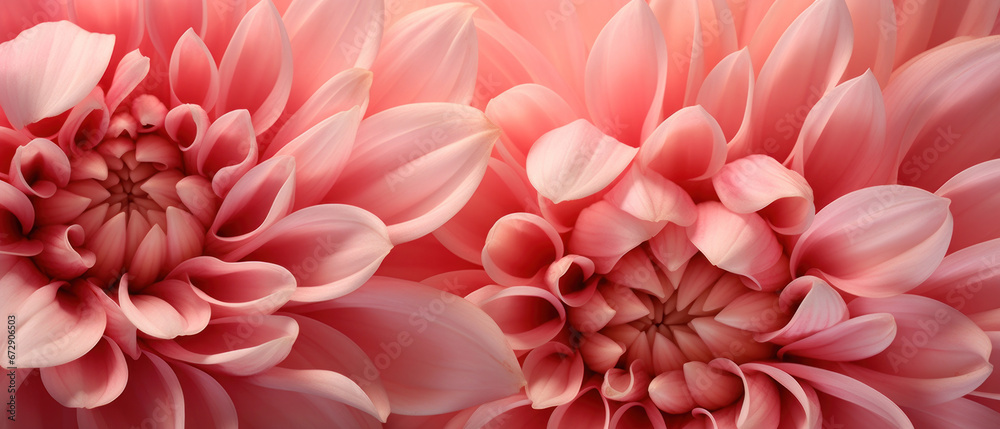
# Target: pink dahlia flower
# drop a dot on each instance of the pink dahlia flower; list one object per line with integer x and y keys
{"x": 198, "y": 193}
{"x": 735, "y": 214}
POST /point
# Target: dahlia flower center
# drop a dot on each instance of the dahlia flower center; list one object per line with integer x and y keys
{"x": 124, "y": 204}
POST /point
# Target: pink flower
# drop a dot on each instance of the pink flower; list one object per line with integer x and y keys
{"x": 734, "y": 214}
{"x": 198, "y": 195}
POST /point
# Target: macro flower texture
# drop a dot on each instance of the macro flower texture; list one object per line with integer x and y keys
{"x": 734, "y": 214}
{"x": 195, "y": 197}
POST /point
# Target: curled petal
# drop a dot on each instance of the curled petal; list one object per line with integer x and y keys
{"x": 855, "y": 339}
{"x": 569, "y": 279}
{"x": 816, "y": 306}
{"x": 689, "y": 145}
{"x": 554, "y": 373}
{"x": 131, "y": 70}
{"x": 194, "y": 77}
{"x": 626, "y": 385}
{"x": 260, "y": 199}
{"x": 396, "y": 164}
{"x": 320, "y": 155}
{"x": 165, "y": 309}
{"x": 589, "y": 410}
{"x": 528, "y": 316}
{"x": 62, "y": 256}
{"x": 93, "y": 380}
{"x": 228, "y": 151}
{"x": 727, "y": 95}
{"x": 575, "y": 161}
{"x": 758, "y": 183}
{"x": 50, "y": 69}
{"x": 445, "y": 333}
{"x": 876, "y": 242}
{"x": 331, "y": 249}
{"x": 626, "y": 74}
{"x": 442, "y": 39}
{"x": 256, "y": 71}
{"x": 263, "y": 287}
{"x": 39, "y": 168}
{"x": 243, "y": 345}
{"x": 17, "y": 217}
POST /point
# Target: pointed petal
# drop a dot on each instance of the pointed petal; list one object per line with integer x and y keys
{"x": 395, "y": 169}
{"x": 855, "y": 339}
{"x": 260, "y": 199}
{"x": 816, "y": 306}
{"x": 320, "y": 155}
{"x": 93, "y": 380}
{"x": 576, "y": 161}
{"x": 342, "y": 92}
{"x": 967, "y": 280}
{"x": 650, "y": 197}
{"x": 727, "y": 95}
{"x": 234, "y": 345}
{"x": 429, "y": 55}
{"x": 626, "y": 74}
{"x": 525, "y": 113}
{"x": 445, "y": 333}
{"x": 266, "y": 407}
{"x": 228, "y": 150}
{"x": 194, "y": 77}
{"x": 876, "y": 242}
{"x": 49, "y": 70}
{"x": 874, "y": 39}
{"x": 347, "y": 245}
{"x": 256, "y": 71}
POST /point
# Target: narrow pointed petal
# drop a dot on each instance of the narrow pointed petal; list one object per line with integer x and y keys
{"x": 18, "y": 218}
{"x": 442, "y": 40}
{"x": 93, "y": 380}
{"x": 808, "y": 60}
{"x": 939, "y": 140}
{"x": 131, "y": 70}
{"x": 228, "y": 151}
{"x": 153, "y": 390}
{"x": 327, "y": 37}
{"x": 842, "y": 146}
{"x": 576, "y": 161}
{"x": 858, "y": 338}
{"x": 446, "y": 333}
{"x": 973, "y": 203}
{"x": 876, "y": 242}
{"x": 260, "y": 199}
{"x": 727, "y": 95}
{"x": 396, "y": 164}
{"x": 234, "y": 345}
{"x": 320, "y": 155}
{"x": 816, "y": 306}
{"x": 688, "y": 145}
{"x": 194, "y": 77}
{"x": 331, "y": 249}
{"x": 626, "y": 75}
{"x": 33, "y": 86}
{"x": 256, "y": 70}
{"x": 342, "y": 92}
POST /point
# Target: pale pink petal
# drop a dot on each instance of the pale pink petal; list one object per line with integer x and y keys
{"x": 758, "y": 183}
{"x": 689, "y": 145}
{"x": 165, "y": 309}
{"x": 328, "y": 37}
{"x": 575, "y": 161}
{"x": 53, "y": 327}
{"x": 765, "y": 23}
{"x": 940, "y": 139}
{"x": 806, "y": 62}
{"x": 525, "y": 113}
{"x": 131, "y": 70}
{"x": 958, "y": 414}
{"x": 974, "y": 203}
{"x": 265, "y": 407}
{"x": 680, "y": 22}
{"x": 967, "y": 280}
{"x": 17, "y": 217}
{"x": 39, "y": 168}
{"x": 331, "y": 249}
{"x": 605, "y": 246}
{"x": 429, "y": 55}
{"x": 228, "y": 151}
{"x": 152, "y": 394}
{"x": 342, "y": 92}
{"x": 816, "y": 307}
{"x": 260, "y": 199}
{"x": 855, "y": 339}
{"x": 874, "y": 39}
{"x": 93, "y": 380}
{"x": 727, "y": 95}
{"x": 450, "y": 356}
{"x": 938, "y": 354}
{"x": 187, "y": 124}
{"x": 650, "y": 197}
{"x": 206, "y": 403}
{"x": 876, "y": 242}
{"x": 740, "y": 243}
{"x": 626, "y": 75}
{"x": 671, "y": 248}
{"x": 501, "y": 192}
{"x": 326, "y": 363}
{"x": 256, "y": 71}
{"x": 194, "y": 77}
{"x": 118, "y": 327}
{"x": 842, "y": 146}
{"x": 86, "y": 124}
{"x": 320, "y": 155}
{"x": 168, "y": 25}
{"x": 554, "y": 373}
{"x": 863, "y": 402}
{"x": 243, "y": 345}
{"x": 528, "y": 316}
{"x": 589, "y": 410}
{"x": 263, "y": 287}
{"x": 396, "y": 164}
